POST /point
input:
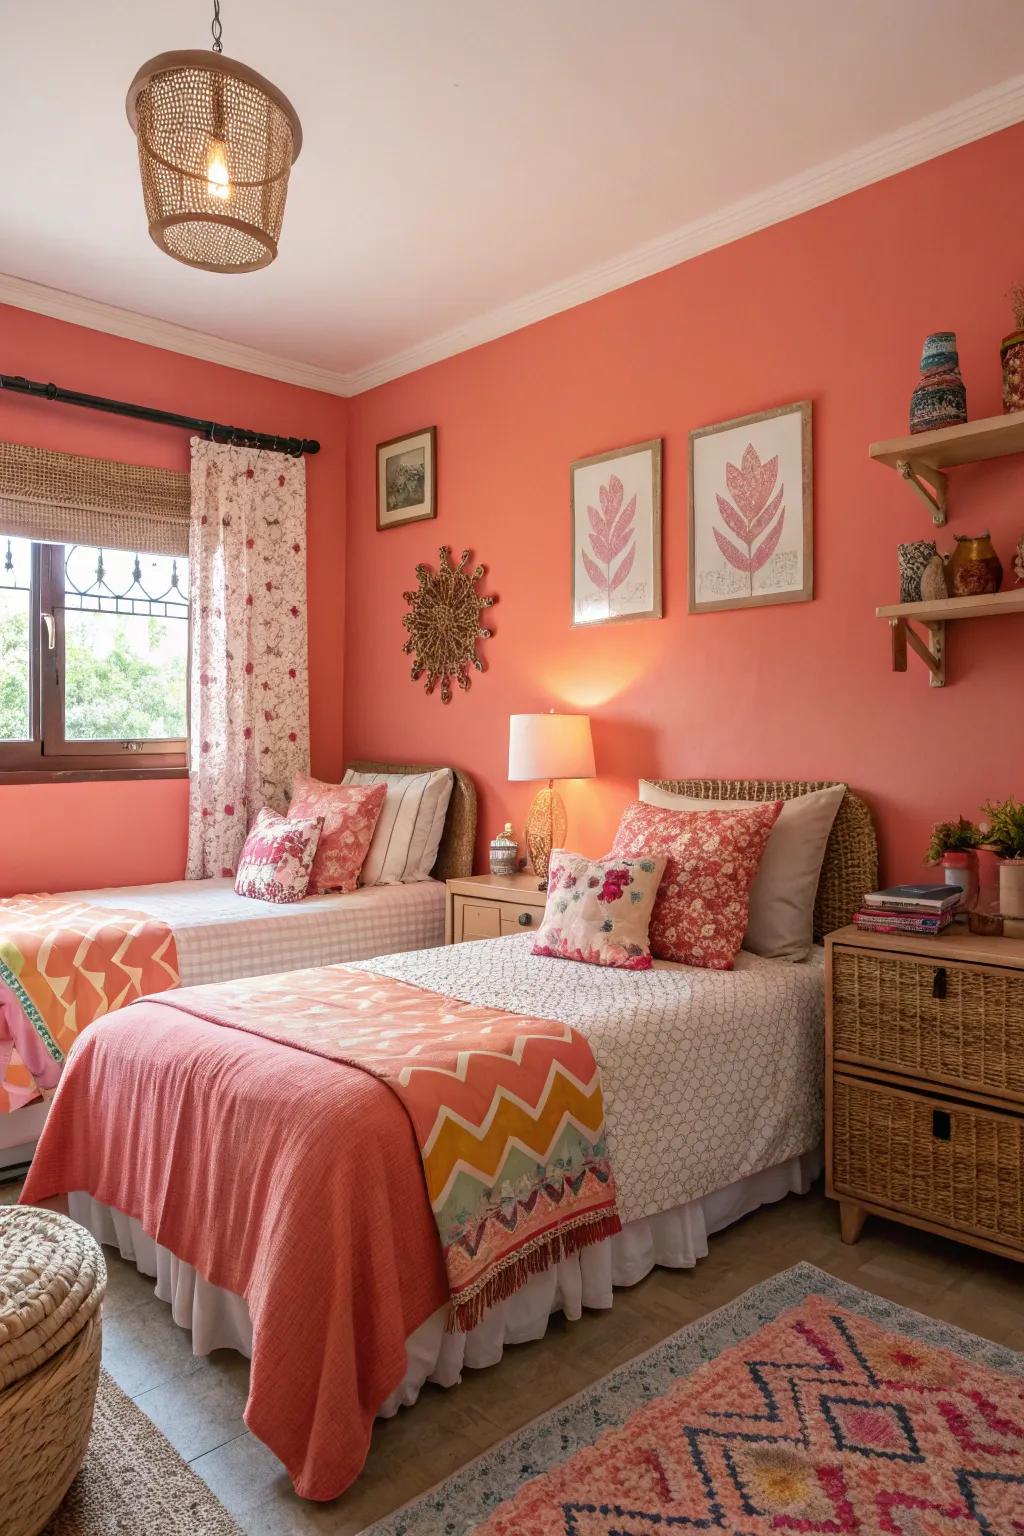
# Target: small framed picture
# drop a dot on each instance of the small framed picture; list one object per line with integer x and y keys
{"x": 407, "y": 479}
{"x": 751, "y": 513}
{"x": 615, "y": 501}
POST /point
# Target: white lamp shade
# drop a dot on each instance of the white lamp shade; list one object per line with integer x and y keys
{"x": 550, "y": 747}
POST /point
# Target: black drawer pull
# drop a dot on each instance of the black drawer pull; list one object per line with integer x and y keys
{"x": 942, "y": 1125}
{"x": 939, "y": 984}
{"x": 525, "y": 919}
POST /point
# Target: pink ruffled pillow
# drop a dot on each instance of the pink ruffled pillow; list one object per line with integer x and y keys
{"x": 349, "y": 813}
{"x": 277, "y": 857}
{"x": 700, "y": 915}
{"x": 599, "y": 910}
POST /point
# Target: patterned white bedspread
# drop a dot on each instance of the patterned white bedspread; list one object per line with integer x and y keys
{"x": 708, "y": 1075}
{"x": 220, "y": 935}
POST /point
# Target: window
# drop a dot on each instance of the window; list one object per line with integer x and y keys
{"x": 93, "y": 659}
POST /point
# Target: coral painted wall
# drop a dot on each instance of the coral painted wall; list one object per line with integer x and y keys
{"x": 831, "y": 306}
{"x": 63, "y": 836}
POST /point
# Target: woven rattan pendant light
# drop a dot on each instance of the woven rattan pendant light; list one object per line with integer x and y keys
{"x": 216, "y": 145}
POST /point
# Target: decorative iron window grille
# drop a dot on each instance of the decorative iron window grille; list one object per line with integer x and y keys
{"x": 99, "y": 596}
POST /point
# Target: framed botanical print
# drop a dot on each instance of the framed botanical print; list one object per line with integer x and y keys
{"x": 615, "y": 501}
{"x": 751, "y": 513}
{"x": 406, "y": 479}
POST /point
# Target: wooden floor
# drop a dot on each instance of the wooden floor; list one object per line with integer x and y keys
{"x": 198, "y": 1403}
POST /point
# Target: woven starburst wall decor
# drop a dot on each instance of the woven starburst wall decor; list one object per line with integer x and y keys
{"x": 444, "y": 624}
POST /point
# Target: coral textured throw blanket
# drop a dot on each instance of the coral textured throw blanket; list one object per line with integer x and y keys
{"x": 305, "y": 1140}
{"x": 64, "y": 963}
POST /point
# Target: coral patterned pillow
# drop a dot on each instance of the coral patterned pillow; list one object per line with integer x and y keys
{"x": 277, "y": 857}
{"x": 599, "y": 910}
{"x": 700, "y": 915}
{"x": 349, "y": 814}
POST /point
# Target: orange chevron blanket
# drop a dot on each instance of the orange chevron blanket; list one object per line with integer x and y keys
{"x": 64, "y": 963}
{"x": 507, "y": 1112}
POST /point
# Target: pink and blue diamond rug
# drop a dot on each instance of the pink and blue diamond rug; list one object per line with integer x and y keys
{"x": 804, "y": 1406}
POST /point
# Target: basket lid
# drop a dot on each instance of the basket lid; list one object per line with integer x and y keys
{"x": 52, "y": 1280}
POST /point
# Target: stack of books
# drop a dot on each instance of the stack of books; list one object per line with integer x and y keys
{"x": 909, "y": 909}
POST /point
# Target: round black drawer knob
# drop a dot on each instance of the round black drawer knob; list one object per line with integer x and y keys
{"x": 525, "y": 919}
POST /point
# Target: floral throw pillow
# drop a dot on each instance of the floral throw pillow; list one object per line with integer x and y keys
{"x": 349, "y": 814}
{"x": 277, "y": 857}
{"x": 700, "y": 915}
{"x": 599, "y": 910}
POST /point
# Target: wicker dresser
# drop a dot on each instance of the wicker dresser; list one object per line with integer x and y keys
{"x": 925, "y": 1084}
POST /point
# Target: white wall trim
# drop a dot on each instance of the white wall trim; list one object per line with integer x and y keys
{"x": 999, "y": 107}
{"x": 97, "y": 316}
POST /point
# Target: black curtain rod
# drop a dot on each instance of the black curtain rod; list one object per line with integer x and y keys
{"x": 216, "y": 431}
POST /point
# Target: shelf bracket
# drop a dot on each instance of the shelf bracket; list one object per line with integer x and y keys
{"x": 930, "y": 485}
{"x": 932, "y": 651}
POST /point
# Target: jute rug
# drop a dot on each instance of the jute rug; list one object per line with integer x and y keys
{"x": 134, "y": 1481}
{"x": 806, "y": 1405}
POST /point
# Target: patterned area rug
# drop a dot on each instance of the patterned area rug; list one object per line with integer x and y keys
{"x": 134, "y": 1481}
{"x": 806, "y": 1405}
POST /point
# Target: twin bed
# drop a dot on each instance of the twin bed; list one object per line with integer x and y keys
{"x": 259, "y": 1148}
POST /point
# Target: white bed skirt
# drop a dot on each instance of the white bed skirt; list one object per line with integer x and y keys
{"x": 675, "y": 1239}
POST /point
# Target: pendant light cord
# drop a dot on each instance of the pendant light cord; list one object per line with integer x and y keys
{"x": 216, "y": 28}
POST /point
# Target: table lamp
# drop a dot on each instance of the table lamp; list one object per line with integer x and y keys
{"x": 548, "y": 747}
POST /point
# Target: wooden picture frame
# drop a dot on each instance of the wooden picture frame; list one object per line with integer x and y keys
{"x": 407, "y": 479}
{"x": 615, "y": 554}
{"x": 746, "y": 521}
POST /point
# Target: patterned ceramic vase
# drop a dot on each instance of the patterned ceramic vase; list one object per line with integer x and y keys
{"x": 913, "y": 561}
{"x": 940, "y": 399}
{"x": 974, "y": 566}
{"x": 1012, "y": 354}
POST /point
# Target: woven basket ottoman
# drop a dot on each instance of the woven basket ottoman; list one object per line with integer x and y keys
{"x": 52, "y": 1280}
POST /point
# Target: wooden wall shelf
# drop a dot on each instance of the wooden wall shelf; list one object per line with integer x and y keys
{"x": 934, "y": 616}
{"x": 923, "y": 458}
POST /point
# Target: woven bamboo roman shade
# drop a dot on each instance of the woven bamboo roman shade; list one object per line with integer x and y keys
{"x": 64, "y": 498}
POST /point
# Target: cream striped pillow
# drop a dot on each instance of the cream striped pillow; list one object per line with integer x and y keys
{"x": 408, "y": 831}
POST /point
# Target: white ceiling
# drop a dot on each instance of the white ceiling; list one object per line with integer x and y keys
{"x": 471, "y": 164}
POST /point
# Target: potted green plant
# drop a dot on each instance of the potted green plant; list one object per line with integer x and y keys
{"x": 1004, "y": 834}
{"x": 954, "y": 845}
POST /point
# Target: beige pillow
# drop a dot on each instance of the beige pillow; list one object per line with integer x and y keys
{"x": 780, "y": 924}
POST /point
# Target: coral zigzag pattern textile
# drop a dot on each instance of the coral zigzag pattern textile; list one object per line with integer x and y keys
{"x": 249, "y": 685}
{"x": 507, "y": 1111}
{"x": 64, "y": 963}
{"x": 821, "y": 1421}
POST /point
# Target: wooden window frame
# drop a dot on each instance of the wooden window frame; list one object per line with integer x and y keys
{"x": 48, "y": 755}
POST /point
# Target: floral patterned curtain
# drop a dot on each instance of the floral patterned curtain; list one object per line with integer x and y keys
{"x": 249, "y": 686}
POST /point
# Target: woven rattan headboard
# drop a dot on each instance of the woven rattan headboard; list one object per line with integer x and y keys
{"x": 455, "y": 855}
{"x": 851, "y": 855}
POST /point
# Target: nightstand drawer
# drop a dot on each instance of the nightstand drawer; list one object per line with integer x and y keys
{"x": 960, "y": 1024}
{"x": 960, "y": 1166}
{"x": 491, "y": 919}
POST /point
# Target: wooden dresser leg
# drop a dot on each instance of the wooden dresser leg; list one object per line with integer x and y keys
{"x": 851, "y": 1220}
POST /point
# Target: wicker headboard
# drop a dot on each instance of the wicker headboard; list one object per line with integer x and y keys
{"x": 455, "y": 855}
{"x": 850, "y": 866}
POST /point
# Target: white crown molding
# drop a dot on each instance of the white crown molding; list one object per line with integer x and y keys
{"x": 987, "y": 112}
{"x": 97, "y": 316}
{"x": 999, "y": 107}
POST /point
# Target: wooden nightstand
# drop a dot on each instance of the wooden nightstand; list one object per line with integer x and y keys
{"x": 486, "y": 906}
{"x": 924, "y": 1084}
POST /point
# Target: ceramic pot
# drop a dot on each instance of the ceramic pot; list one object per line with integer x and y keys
{"x": 1011, "y": 888}
{"x": 913, "y": 561}
{"x": 940, "y": 399}
{"x": 962, "y": 869}
{"x": 1011, "y": 353}
{"x": 974, "y": 567}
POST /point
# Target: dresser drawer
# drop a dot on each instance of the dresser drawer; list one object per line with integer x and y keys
{"x": 960, "y": 1024}
{"x": 491, "y": 919}
{"x": 957, "y": 1165}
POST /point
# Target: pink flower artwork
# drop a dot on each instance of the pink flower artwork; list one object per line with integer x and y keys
{"x": 756, "y": 513}
{"x": 612, "y": 539}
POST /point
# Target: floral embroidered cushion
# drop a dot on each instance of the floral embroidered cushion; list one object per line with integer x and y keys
{"x": 700, "y": 914}
{"x": 349, "y": 814}
{"x": 599, "y": 910}
{"x": 277, "y": 857}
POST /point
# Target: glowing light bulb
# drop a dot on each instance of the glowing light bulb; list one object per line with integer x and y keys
{"x": 218, "y": 183}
